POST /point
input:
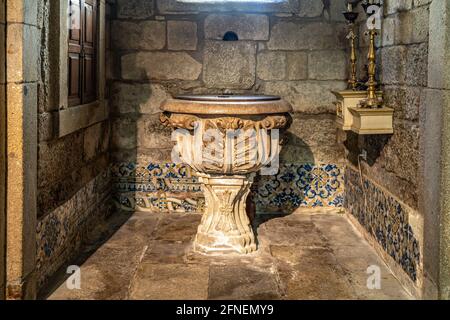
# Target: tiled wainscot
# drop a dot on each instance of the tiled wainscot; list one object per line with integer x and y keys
{"x": 170, "y": 187}
{"x": 385, "y": 219}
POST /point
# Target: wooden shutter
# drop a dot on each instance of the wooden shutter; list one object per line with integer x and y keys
{"x": 82, "y": 52}
{"x": 75, "y": 52}
{"x": 89, "y": 51}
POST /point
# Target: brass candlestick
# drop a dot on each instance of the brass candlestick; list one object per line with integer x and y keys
{"x": 353, "y": 81}
{"x": 351, "y": 17}
{"x": 372, "y": 101}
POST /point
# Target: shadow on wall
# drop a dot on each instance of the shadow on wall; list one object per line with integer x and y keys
{"x": 384, "y": 217}
{"x": 373, "y": 144}
{"x": 123, "y": 149}
{"x": 301, "y": 182}
{"x": 162, "y": 186}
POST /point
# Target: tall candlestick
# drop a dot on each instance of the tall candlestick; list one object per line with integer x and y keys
{"x": 353, "y": 81}
{"x": 351, "y": 17}
{"x": 372, "y": 100}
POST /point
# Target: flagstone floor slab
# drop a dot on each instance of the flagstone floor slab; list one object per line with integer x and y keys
{"x": 300, "y": 256}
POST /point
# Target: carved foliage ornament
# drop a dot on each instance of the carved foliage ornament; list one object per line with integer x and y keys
{"x": 187, "y": 121}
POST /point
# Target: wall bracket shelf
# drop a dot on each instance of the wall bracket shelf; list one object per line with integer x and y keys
{"x": 372, "y": 121}
{"x": 351, "y": 117}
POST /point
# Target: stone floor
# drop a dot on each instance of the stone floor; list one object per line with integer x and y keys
{"x": 301, "y": 256}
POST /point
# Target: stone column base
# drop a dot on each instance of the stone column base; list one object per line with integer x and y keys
{"x": 225, "y": 226}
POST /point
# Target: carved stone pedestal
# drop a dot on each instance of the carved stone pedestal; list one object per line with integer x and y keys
{"x": 226, "y": 140}
{"x": 225, "y": 226}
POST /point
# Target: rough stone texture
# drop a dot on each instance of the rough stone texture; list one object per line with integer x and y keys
{"x": 160, "y": 65}
{"x": 327, "y": 65}
{"x": 301, "y": 256}
{"x": 417, "y": 65}
{"x": 229, "y": 65}
{"x": 62, "y": 233}
{"x": 393, "y": 61}
{"x": 251, "y": 284}
{"x": 135, "y": 9}
{"x": 59, "y": 157}
{"x": 403, "y": 73}
{"x": 412, "y": 26}
{"x": 247, "y": 26}
{"x": 151, "y": 133}
{"x": 55, "y": 194}
{"x": 395, "y": 162}
{"x": 398, "y": 6}
{"x": 174, "y": 282}
{"x": 46, "y": 126}
{"x": 22, "y": 67}
{"x": 72, "y": 173}
{"x": 388, "y": 31}
{"x": 178, "y": 7}
{"x": 2, "y": 54}
{"x": 146, "y": 35}
{"x": 304, "y": 36}
{"x": 311, "y": 154}
{"x": 405, "y": 100}
{"x": 2, "y": 153}
{"x": 19, "y": 130}
{"x": 2, "y": 11}
{"x": 42, "y": 177}
{"x": 271, "y": 65}
{"x": 24, "y": 12}
{"x": 182, "y": 35}
{"x": 297, "y": 65}
{"x": 444, "y": 256}
{"x": 142, "y": 155}
{"x": 405, "y": 27}
{"x": 335, "y": 9}
{"x": 95, "y": 140}
{"x": 436, "y": 137}
{"x": 124, "y": 133}
{"x": 310, "y": 8}
{"x": 402, "y": 150}
{"x": 439, "y": 74}
{"x": 307, "y": 96}
{"x": 137, "y": 98}
{"x": 303, "y": 128}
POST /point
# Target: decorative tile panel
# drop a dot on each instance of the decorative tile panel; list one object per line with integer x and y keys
{"x": 156, "y": 188}
{"x": 385, "y": 219}
{"x": 301, "y": 185}
{"x": 169, "y": 187}
{"x": 60, "y": 234}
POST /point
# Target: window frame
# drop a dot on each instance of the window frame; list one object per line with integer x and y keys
{"x": 82, "y": 50}
{"x": 74, "y": 118}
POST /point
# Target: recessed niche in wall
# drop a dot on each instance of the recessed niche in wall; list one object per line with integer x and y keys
{"x": 230, "y": 36}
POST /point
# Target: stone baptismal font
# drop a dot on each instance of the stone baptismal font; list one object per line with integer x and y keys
{"x": 226, "y": 140}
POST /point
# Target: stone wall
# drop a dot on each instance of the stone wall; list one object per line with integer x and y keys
{"x": 73, "y": 169}
{"x": 434, "y": 200}
{"x": 2, "y": 148}
{"x": 21, "y": 60}
{"x": 392, "y": 179}
{"x": 162, "y": 48}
